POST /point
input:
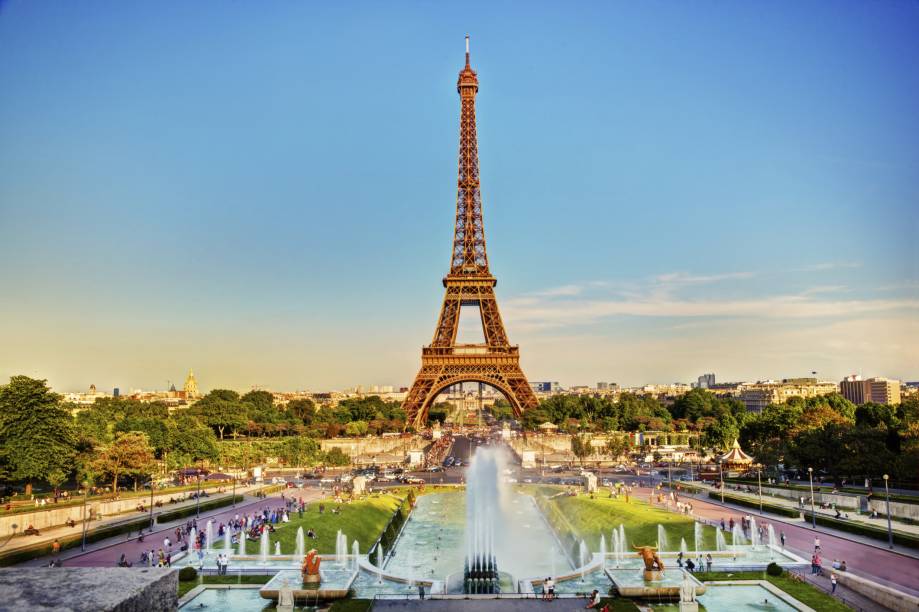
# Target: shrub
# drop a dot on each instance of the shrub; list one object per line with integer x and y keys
{"x": 899, "y": 537}
{"x": 189, "y": 573}
{"x": 774, "y": 569}
{"x": 172, "y": 515}
{"x": 754, "y": 503}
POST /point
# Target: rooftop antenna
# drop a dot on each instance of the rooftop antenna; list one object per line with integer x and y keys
{"x": 467, "y": 49}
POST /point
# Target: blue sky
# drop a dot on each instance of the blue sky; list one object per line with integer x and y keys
{"x": 265, "y": 192}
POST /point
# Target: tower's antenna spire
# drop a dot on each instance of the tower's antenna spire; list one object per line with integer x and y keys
{"x": 467, "y": 49}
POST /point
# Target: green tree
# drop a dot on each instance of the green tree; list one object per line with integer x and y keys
{"x": 616, "y": 445}
{"x": 297, "y": 449}
{"x": 302, "y": 409}
{"x": 336, "y": 457}
{"x": 356, "y": 428}
{"x": 37, "y": 438}
{"x": 581, "y": 447}
{"x": 262, "y": 400}
{"x": 129, "y": 454}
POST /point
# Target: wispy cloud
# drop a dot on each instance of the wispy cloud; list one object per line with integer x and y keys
{"x": 664, "y": 296}
{"x": 828, "y": 265}
{"x": 700, "y": 279}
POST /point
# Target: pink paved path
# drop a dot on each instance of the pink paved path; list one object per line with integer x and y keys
{"x": 861, "y": 559}
{"x": 108, "y": 557}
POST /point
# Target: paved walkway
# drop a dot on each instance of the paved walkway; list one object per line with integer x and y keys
{"x": 853, "y": 516}
{"x": 876, "y": 563}
{"x": 49, "y": 534}
{"x": 106, "y": 553}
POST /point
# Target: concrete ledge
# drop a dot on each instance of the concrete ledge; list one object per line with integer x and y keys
{"x": 882, "y": 594}
{"x": 89, "y": 589}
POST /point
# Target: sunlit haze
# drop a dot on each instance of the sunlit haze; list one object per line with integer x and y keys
{"x": 265, "y": 192}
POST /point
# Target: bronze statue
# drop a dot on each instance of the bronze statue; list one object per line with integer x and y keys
{"x": 310, "y": 567}
{"x": 654, "y": 567}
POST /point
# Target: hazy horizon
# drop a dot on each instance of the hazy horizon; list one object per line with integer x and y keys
{"x": 266, "y": 194}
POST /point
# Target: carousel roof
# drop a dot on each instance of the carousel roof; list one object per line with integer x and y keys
{"x": 736, "y": 455}
{"x": 548, "y": 425}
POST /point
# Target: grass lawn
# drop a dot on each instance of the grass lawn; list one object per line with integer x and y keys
{"x": 186, "y": 585}
{"x": 584, "y": 518}
{"x": 803, "y": 592}
{"x": 364, "y": 520}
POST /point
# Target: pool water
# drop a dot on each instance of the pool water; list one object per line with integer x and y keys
{"x": 735, "y": 598}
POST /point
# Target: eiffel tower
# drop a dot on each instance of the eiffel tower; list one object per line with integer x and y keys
{"x": 469, "y": 283}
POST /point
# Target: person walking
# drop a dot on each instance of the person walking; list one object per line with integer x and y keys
{"x": 816, "y": 543}
{"x": 833, "y": 582}
{"x": 782, "y": 538}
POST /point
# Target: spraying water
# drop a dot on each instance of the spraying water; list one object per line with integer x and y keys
{"x": 380, "y": 558}
{"x": 720, "y": 544}
{"x": 603, "y": 547}
{"x": 662, "y": 544}
{"x": 771, "y": 535}
{"x": 277, "y": 549}
{"x": 227, "y": 540}
{"x": 355, "y": 552}
{"x": 754, "y": 534}
{"x": 300, "y": 547}
{"x": 341, "y": 547}
{"x": 683, "y": 548}
{"x": 208, "y": 536}
{"x": 582, "y": 557}
{"x": 623, "y": 544}
{"x": 737, "y": 537}
{"x": 264, "y": 545}
{"x": 192, "y": 539}
{"x": 697, "y": 536}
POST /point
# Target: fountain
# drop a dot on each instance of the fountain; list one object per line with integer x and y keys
{"x": 480, "y": 568}
{"x": 698, "y": 538}
{"x": 299, "y": 550}
{"x": 341, "y": 547}
{"x": 192, "y": 540}
{"x": 242, "y": 543}
{"x": 720, "y": 544}
{"x": 583, "y": 555}
{"x": 754, "y": 534}
{"x": 737, "y": 537}
{"x": 603, "y": 548}
{"x": 277, "y": 549}
{"x": 208, "y": 536}
{"x": 227, "y": 540}
{"x": 355, "y": 553}
{"x": 380, "y": 557}
{"x": 662, "y": 544}
{"x": 770, "y": 532}
{"x": 264, "y": 545}
{"x": 683, "y": 548}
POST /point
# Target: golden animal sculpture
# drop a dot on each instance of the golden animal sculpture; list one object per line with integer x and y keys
{"x": 310, "y": 567}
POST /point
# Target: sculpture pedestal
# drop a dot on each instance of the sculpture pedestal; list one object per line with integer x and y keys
{"x": 311, "y": 578}
{"x": 650, "y": 575}
{"x": 689, "y": 606}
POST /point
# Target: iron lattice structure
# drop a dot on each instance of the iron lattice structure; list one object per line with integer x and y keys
{"x": 445, "y": 363}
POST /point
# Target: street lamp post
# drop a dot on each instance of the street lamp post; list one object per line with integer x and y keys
{"x": 85, "y": 499}
{"x": 759, "y": 483}
{"x": 234, "y": 491}
{"x": 721, "y": 477}
{"x": 889, "y": 528}
{"x": 151, "y": 504}
{"x": 810, "y": 475}
{"x": 198, "y": 496}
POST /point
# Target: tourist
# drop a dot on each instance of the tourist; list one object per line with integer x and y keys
{"x": 842, "y": 565}
{"x": 722, "y": 523}
{"x": 782, "y": 538}
{"x": 835, "y": 564}
{"x": 55, "y": 547}
{"x": 166, "y": 543}
{"x": 594, "y": 600}
{"x": 833, "y": 582}
{"x": 549, "y": 588}
{"x": 690, "y": 566}
{"x": 421, "y": 592}
{"x": 679, "y": 559}
{"x": 708, "y": 562}
{"x": 817, "y": 544}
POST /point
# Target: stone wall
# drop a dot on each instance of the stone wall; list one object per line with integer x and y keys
{"x": 89, "y": 589}
{"x": 886, "y": 596}
{"x": 898, "y": 510}
{"x": 53, "y": 517}
{"x": 373, "y": 445}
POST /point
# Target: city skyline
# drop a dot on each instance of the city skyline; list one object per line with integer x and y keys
{"x": 278, "y": 213}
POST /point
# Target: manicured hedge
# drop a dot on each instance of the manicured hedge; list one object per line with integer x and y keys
{"x": 685, "y": 487}
{"x": 391, "y": 531}
{"x": 71, "y": 541}
{"x": 904, "y": 539}
{"x": 754, "y": 503}
{"x": 172, "y": 515}
{"x": 876, "y": 495}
